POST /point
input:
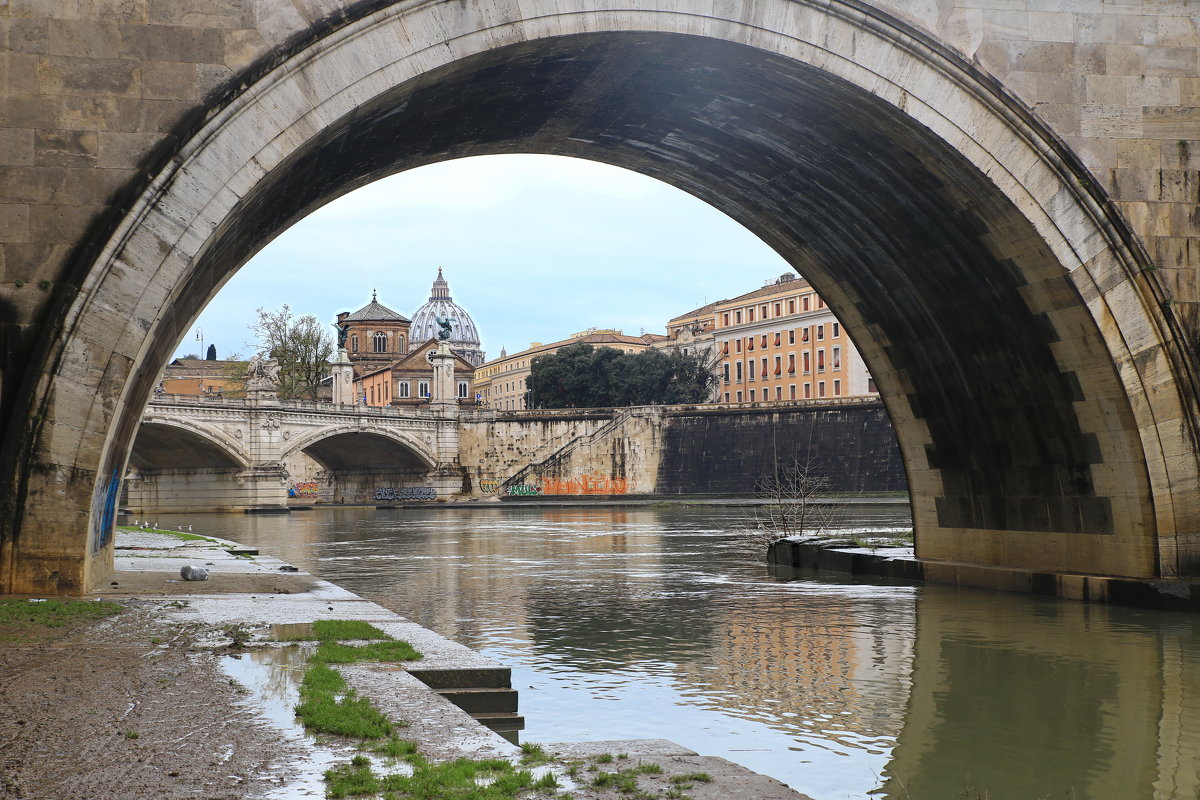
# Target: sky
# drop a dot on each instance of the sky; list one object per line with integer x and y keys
{"x": 535, "y": 248}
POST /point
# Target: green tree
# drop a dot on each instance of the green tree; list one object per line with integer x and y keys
{"x": 299, "y": 345}
{"x": 582, "y": 376}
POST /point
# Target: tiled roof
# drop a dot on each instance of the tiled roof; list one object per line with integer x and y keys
{"x": 375, "y": 312}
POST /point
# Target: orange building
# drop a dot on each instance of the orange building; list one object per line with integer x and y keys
{"x": 198, "y": 376}
{"x": 781, "y": 342}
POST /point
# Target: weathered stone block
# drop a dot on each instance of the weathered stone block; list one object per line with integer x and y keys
{"x": 16, "y": 146}
{"x": 89, "y": 76}
{"x": 65, "y": 148}
{"x": 83, "y": 38}
{"x": 171, "y": 43}
{"x": 14, "y": 222}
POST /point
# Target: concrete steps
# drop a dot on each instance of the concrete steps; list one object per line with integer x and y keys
{"x": 485, "y": 693}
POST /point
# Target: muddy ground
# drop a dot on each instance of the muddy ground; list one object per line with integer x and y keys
{"x": 132, "y": 706}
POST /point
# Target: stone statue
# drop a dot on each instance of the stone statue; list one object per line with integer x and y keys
{"x": 444, "y": 324}
{"x": 262, "y": 374}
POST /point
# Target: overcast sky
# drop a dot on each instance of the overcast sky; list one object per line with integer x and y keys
{"x": 535, "y": 248}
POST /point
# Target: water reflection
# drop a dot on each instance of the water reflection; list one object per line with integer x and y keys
{"x": 661, "y": 622}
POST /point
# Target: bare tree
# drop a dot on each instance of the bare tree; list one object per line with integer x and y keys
{"x": 796, "y": 501}
{"x": 299, "y": 345}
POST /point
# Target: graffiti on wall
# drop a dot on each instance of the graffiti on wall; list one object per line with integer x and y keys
{"x": 390, "y": 494}
{"x": 581, "y": 485}
{"x": 585, "y": 484}
{"x": 489, "y": 485}
{"x": 304, "y": 489}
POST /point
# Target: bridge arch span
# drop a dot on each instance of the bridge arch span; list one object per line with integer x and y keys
{"x": 1041, "y": 389}
{"x": 161, "y": 440}
{"x": 356, "y": 447}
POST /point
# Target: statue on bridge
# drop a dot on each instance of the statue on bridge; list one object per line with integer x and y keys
{"x": 262, "y": 374}
{"x": 444, "y": 325}
{"x": 342, "y": 332}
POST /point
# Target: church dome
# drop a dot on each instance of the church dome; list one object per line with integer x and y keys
{"x": 464, "y": 336}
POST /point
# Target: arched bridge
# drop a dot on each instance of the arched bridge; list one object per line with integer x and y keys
{"x": 997, "y": 198}
{"x": 199, "y": 454}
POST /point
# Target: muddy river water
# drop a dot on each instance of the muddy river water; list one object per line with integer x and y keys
{"x": 647, "y": 622}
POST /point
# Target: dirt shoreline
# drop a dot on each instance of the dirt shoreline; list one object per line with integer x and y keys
{"x": 132, "y": 706}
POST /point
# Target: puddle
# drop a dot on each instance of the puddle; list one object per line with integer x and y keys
{"x": 291, "y": 631}
{"x": 271, "y": 676}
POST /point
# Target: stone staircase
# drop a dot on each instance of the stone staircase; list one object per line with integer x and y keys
{"x": 485, "y": 693}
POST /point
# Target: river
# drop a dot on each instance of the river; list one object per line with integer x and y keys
{"x": 647, "y": 622}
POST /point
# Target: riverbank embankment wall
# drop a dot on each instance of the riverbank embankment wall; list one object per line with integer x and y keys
{"x": 680, "y": 450}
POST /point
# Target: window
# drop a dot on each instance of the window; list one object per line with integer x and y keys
{"x": 737, "y": 317}
{"x": 807, "y": 365}
{"x": 764, "y": 369}
{"x": 379, "y": 342}
{"x": 837, "y": 329}
{"x": 402, "y": 389}
{"x": 778, "y": 392}
{"x": 777, "y": 307}
{"x": 871, "y": 387}
{"x": 423, "y": 388}
{"x": 737, "y": 346}
{"x": 399, "y": 344}
{"x": 354, "y": 343}
{"x": 738, "y": 372}
{"x": 791, "y": 364}
{"x": 751, "y": 312}
{"x": 792, "y": 391}
{"x": 836, "y": 357}
{"x": 821, "y": 360}
{"x": 764, "y": 316}
{"x": 372, "y": 394}
{"x": 837, "y": 388}
{"x": 726, "y": 371}
{"x": 751, "y": 395}
{"x": 764, "y": 341}
{"x": 739, "y": 397}
{"x": 792, "y": 310}
{"x": 725, "y": 348}
{"x": 750, "y": 343}
{"x": 807, "y": 391}
{"x": 820, "y": 302}
{"x": 778, "y": 365}
{"x": 778, "y": 336}
{"x": 804, "y": 335}
{"x": 462, "y": 390}
{"x": 751, "y": 375}
{"x": 727, "y": 397}
{"x": 792, "y": 336}
{"x": 804, "y": 303}
{"x": 726, "y": 318}
{"x": 820, "y": 388}
{"x": 820, "y": 333}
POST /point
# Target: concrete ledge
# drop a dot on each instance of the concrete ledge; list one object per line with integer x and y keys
{"x": 901, "y": 563}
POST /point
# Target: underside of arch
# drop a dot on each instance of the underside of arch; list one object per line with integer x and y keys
{"x": 357, "y": 451}
{"x": 1019, "y": 440}
{"x": 161, "y": 446}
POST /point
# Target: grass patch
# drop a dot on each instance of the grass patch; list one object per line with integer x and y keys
{"x": 327, "y": 706}
{"x": 30, "y": 620}
{"x": 395, "y": 747}
{"x": 187, "y": 537}
{"x": 692, "y": 777}
{"x": 533, "y": 755}
{"x": 337, "y": 653}
{"x": 461, "y": 779}
{"x": 334, "y": 629}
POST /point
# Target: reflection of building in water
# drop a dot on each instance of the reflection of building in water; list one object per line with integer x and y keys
{"x": 1054, "y": 700}
{"x": 799, "y": 666}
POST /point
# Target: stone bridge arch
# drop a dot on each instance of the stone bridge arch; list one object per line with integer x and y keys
{"x": 184, "y": 465}
{"x": 355, "y": 461}
{"x": 160, "y": 438}
{"x": 1040, "y": 386}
